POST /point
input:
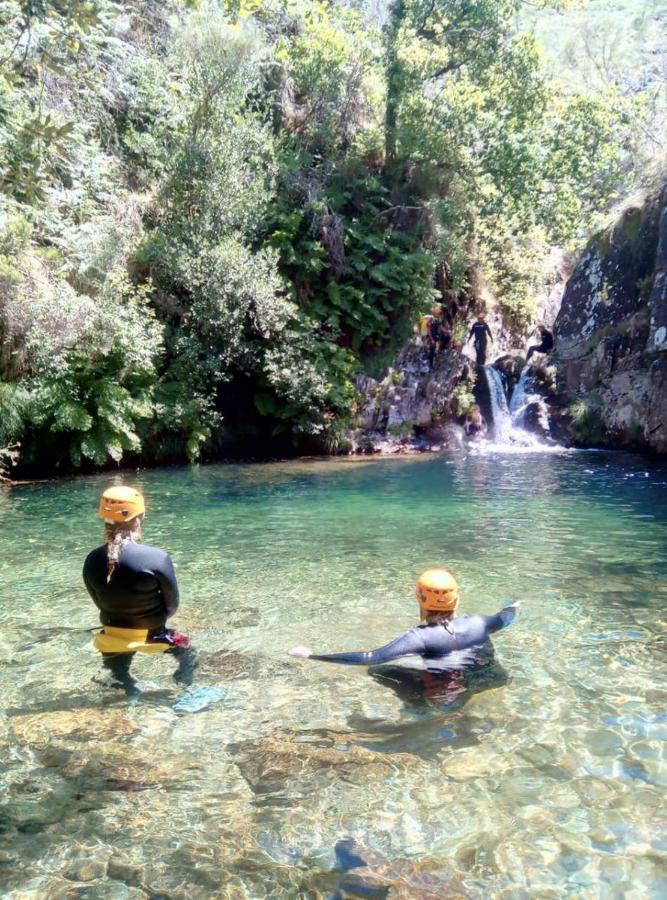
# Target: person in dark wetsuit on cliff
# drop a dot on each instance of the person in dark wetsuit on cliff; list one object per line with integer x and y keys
{"x": 134, "y": 587}
{"x": 439, "y": 336}
{"x": 480, "y": 331}
{"x": 440, "y": 644}
{"x": 546, "y": 344}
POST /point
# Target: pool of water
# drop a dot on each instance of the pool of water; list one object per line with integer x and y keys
{"x": 276, "y": 777}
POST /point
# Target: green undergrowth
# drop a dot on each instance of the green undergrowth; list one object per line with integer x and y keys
{"x": 587, "y": 426}
{"x": 215, "y": 216}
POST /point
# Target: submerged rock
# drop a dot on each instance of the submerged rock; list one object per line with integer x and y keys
{"x": 366, "y": 873}
{"x": 225, "y": 664}
{"x": 36, "y": 800}
{"x": 89, "y": 866}
{"x": 117, "y": 767}
{"x": 280, "y": 757}
{"x": 92, "y": 724}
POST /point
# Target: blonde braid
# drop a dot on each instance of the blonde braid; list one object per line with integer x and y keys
{"x": 117, "y": 536}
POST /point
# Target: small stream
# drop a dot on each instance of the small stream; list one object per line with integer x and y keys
{"x": 542, "y": 777}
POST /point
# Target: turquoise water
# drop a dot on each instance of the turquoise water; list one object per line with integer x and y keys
{"x": 542, "y": 777}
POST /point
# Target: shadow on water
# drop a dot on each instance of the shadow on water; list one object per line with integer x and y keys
{"x": 433, "y": 707}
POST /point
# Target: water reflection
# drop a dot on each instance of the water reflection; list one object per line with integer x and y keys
{"x": 444, "y": 691}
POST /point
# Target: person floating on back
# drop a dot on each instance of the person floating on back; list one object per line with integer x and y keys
{"x": 134, "y": 587}
{"x": 546, "y": 344}
{"x": 480, "y": 331}
{"x": 440, "y": 644}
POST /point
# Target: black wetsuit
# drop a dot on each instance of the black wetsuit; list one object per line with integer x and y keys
{"x": 480, "y": 331}
{"x": 545, "y": 346}
{"x": 142, "y": 593}
{"x": 436, "y": 647}
{"x": 439, "y": 338}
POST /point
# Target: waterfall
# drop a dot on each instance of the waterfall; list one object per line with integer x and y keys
{"x": 508, "y": 435}
{"x": 519, "y": 396}
{"x": 502, "y": 423}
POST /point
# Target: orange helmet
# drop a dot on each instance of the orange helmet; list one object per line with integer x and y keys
{"x": 121, "y": 504}
{"x": 437, "y": 591}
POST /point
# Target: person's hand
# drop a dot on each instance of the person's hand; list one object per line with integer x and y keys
{"x": 300, "y": 652}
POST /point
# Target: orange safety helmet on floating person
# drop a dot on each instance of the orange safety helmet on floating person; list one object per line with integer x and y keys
{"x": 121, "y": 504}
{"x": 437, "y": 591}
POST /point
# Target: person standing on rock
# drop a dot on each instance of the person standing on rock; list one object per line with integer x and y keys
{"x": 480, "y": 331}
{"x": 546, "y": 344}
{"x": 439, "y": 336}
{"x": 441, "y": 644}
{"x": 135, "y": 589}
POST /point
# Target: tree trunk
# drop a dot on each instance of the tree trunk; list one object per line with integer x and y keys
{"x": 394, "y": 84}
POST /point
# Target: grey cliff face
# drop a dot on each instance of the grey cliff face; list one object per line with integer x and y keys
{"x": 658, "y": 298}
{"x": 611, "y": 333}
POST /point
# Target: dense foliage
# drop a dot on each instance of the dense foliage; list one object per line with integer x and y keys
{"x": 212, "y": 215}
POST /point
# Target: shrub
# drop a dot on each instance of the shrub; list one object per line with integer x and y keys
{"x": 586, "y": 421}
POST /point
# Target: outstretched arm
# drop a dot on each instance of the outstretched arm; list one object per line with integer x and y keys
{"x": 502, "y": 619}
{"x": 488, "y": 331}
{"x": 405, "y": 644}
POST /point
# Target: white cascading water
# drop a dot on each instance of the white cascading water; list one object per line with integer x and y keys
{"x": 520, "y": 394}
{"x": 508, "y": 435}
{"x": 502, "y": 422}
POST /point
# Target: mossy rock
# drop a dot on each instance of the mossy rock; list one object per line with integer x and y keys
{"x": 631, "y": 223}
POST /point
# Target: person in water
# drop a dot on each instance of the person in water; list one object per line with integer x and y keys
{"x": 546, "y": 344}
{"x": 135, "y": 589}
{"x": 480, "y": 331}
{"x": 441, "y": 643}
{"x": 474, "y": 425}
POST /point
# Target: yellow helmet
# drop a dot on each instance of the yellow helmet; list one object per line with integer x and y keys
{"x": 437, "y": 591}
{"x": 121, "y": 504}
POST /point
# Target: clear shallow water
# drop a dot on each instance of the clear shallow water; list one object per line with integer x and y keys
{"x": 544, "y": 779}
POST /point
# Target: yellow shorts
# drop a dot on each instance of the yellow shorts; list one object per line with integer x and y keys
{"x": 127, "y": 640}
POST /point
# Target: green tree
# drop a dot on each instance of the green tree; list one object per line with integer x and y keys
{"x": 233, "y": 323}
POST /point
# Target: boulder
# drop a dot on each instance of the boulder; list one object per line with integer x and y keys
{"x": 510, "y": 368}
{"x": 536, "y": 418}
{"x": 396, "y": 414}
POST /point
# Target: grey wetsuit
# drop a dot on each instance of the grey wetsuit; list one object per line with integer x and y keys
{"x": 431, "y": 647}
